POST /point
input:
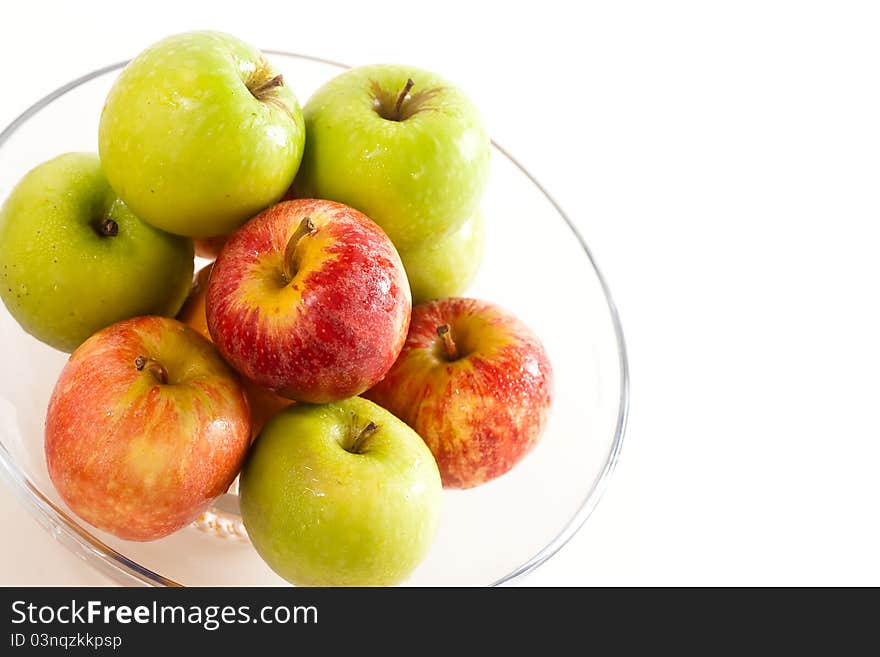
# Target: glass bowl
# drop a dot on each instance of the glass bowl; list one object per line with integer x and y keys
{"x": 536, "y": 265}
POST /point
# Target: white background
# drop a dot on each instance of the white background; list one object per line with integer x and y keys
{"x": 722, "y": 161}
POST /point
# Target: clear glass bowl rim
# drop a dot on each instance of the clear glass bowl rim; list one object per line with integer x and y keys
{"x": 70, "y": 533}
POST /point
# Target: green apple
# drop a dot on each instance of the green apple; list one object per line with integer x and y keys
{"x": 199, "y": 133}
{"x": 402, "y": 145}
{"x": 74, "y": 258}
{"x": 445, "y": 267}
{"x": 342, "y": 494}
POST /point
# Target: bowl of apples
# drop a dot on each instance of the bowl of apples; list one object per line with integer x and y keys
{"x": 249, "y": 342}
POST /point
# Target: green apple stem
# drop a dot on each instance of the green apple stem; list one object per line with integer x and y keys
{"x": 362, "y": 437}
{"x": 448, "y": 342}
{"x": 399, "y": 104}
{"x": 142, "y": 363}
{"x": 290, "y": 265}
{"x": 108, "y": 228}
{"x": 260, "y": 91}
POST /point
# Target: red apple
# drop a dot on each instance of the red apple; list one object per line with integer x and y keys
{"x": 475, "y": 383}
{"x": 146, "y": 426}
{"x": 309, "y": 299}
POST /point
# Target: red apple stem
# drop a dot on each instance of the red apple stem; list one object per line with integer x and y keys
{"x": 108, "y": 228}
{"x": 306, "y": 227}
{"x": 399, "y": 104}
{"x": 362, "y": 437}
{"x": 260, "y": 90}
{"x": 448, "y": 342}
{"x": 142, "y": 363}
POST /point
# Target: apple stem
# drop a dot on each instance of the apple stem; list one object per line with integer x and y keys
{"x": 142, "y": 363}
{"x": 399, "y": 104}
{"x": 260, "y": 90}
{"x": 365, "y": 433}
{"x": 108, "y": 228}
{"x": 448, "y": 342}
{"x": 306, "y": 227}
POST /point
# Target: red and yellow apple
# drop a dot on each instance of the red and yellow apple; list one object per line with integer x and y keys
{"x": 263, "y": 403}
{"x": 146, "y": 426}
{"x": 475, "y": 383}
{"x": 309, "y": 299}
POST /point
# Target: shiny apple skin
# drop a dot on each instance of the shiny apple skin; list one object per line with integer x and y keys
{"x": 332, "y": 328}
{"x": 263, "y": 403}
{"x": 483, "y": 412}
{"x": 137, "y": 457}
